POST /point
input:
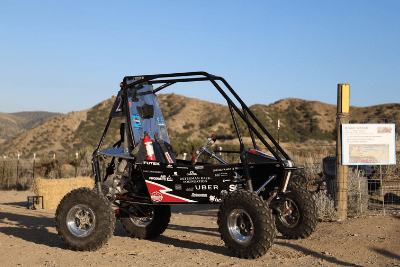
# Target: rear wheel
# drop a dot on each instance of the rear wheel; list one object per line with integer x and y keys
{"x": 148, "y": 223}
{"x": 84, "y": 220}
{"x": 296, "y": 214}
{"x": 246, "y": 224}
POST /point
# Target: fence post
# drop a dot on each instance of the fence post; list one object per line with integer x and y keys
{"x": 33, "y": 167}
{"x": 381, "y": 181}
{"x": 9, "y": 178}
{"x": 343, "y": 107}
{"x": 4, "y": 167}
{"x": 17, "y": 171}
{"x": 76, "y": 164}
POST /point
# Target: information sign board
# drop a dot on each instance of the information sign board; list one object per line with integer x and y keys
{"x": 368, "y": 144}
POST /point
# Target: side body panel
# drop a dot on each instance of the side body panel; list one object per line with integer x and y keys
{"x": 202, "y": 184}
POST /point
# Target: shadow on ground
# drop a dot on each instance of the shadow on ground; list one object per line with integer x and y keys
{"x": 30, "y": 228}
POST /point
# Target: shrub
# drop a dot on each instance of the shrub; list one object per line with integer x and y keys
{"x": 325, "y": 206}
{"x": 357, "y": 195}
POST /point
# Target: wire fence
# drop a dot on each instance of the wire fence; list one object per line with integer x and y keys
{"x": 370, "y": 190}
{"x": 19, "y": 173}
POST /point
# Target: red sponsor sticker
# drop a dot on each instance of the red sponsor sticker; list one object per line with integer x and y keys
{"x": 168, "y": 156}
{"x": 156, "y": 196}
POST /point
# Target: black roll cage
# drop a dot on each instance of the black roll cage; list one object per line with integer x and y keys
{"x": 156, "y": 79}
{"x": 172, "y": 78}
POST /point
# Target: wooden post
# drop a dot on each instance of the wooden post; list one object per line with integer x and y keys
{"x": 342, "y": 171}
{"x": 9, "y": 178}
{"x": 17, "y": 171}
{"x": 76, "y": 164}
{"x": 4, "y": 167}
{"x": 33, "y": 167}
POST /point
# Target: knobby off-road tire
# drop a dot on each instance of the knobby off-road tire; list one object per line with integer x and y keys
{"x": 84, "y": 220}
{"x": 297, "y": 216}
{"x": 246, "y": 224}
{"x": 149, "y": 227}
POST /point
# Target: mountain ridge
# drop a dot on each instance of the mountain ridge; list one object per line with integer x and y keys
{"x": 188, "y": 120}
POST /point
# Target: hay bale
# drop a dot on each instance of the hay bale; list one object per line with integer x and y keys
{"x": 53, "y": 190}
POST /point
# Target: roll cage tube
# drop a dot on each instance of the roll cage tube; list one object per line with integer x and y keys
{"x": 156, "y": 79}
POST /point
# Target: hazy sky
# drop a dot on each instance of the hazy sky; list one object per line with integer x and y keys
{"x": 64, "y": 56}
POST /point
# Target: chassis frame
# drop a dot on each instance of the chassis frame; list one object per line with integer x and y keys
{"x": 284, "y": 166}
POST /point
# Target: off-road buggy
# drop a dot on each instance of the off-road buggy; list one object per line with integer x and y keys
{"x": 143, "y": 178}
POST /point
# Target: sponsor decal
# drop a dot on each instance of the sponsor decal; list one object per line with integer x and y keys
{"x": 189, "y": 189}
{"x": 168, "y": 156}
{"x": 191, "y": 173}
{"x": 206, "y": 187}
{"x": 199, "y": 195}
{"x": 237, "y": 176}
{"x": 221, "y": 174}
{"x": 151, "y": 163}
{"x": 160, "y": 121}
{"x": 178, "y": 187}
{"x": 214, "y": 199}
{"x": 175, "y": 174}
{"x": 226, "y": 180}
{"x": 224, "y": 193}
{"x": 159, "y": 193}
{"x": 234, "y": 187}
{"x": 169, "y": 166}
{"x": 195, "y": 180}
{"x": 227, "y": 169}
{"x": 136, "y": 121}
{"x": 156, "y": 196}
{"x": 180, "y": 167}
{"x": 161, "y": 178}
{"x": 199, "y": 167}
{"x": 150, "y": 171}
{"x": 158, "y": 178}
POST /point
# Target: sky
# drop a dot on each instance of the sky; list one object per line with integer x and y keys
{"x": 63, "y": 56}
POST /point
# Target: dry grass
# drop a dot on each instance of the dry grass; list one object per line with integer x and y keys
{"x": 325, "y": 206}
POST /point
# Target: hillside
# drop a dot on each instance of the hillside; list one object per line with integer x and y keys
{"x": 13, "y": 123}
{"x": 189, "y": 121}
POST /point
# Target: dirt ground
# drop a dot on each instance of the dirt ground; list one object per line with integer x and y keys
{"x": 29, "y": 238}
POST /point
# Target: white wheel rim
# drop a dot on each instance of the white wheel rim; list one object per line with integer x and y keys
{"x": 81, "y": 220}
{"x": 240, "y": 226}
{"x": 142, "y": 221}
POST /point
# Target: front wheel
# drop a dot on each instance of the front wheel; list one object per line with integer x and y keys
{"x": 84, "y": 220}
{"x": 246, "y": 224}
{"x": 296, "y": 214}
{"x": 148, "y": 223}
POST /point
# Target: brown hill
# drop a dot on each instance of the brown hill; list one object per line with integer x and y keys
{"x": 12, "y": 124}
{"x": 188, "y": 119}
